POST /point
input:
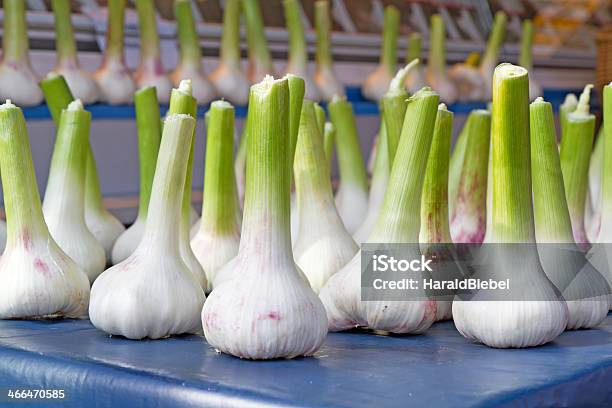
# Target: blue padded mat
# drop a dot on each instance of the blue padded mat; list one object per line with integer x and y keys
{"x": 354, "y": 369}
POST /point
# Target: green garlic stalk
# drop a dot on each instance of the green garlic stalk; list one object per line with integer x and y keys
{"x": 260, "y": 60}
{"x": 190, "y": 55}
{"x": 150, "y": 71}
{"x": 568, "y": 106}
{"x": 592, "y": 219}
{"x": 298, "y": 52}
{"x": 352, "y": 195}
{"x": 329, "y": 140}
{"x": 228, "y": 79}
{"x": 377, "y": 83}
{"x": 575, "y": 153}
{"x": 491, "y": 55}
{"x": 437, "y": 77}
{"x": 149, "y": 137}
{"x": 416, "y": 79}
{"x": 526, "y": 57}
{"x": 114, "y": 78}
{"x": 81, "y": 83}
{"x": 325, "y": 77}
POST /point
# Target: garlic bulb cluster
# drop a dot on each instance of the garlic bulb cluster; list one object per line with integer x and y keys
{"x": 64, "y": 203}
{"x": 151, "y": 71}
{"x": 535, "y": 313}
{"x": 377, "y": 83}
{"x": 18, "y": 81}
{"x": 416, "y": 79}
{"x": 228, "y": 79}
{"x": 323, "y": 246}
{"x": 434, "y": 236}
{"x": 37, "y": 279}
{"x": 325, "y": 77}
{"x": 190, "y": 59}
{"x": 298, "y": 52}
{"x": 270, "y": 312}
{"x": 218, "y": 235}
{"x": 114, "y": 78}
{"x": 81, "y": 83}
{"x": 352, "y": 195}
{"x": 469, "y": 191}
{"x": 436, "y": 76}
{"x": 153, "y": 293}
{"x": 398, "y": 222}
{"x": 583, "y": 287}
{"x": 149, "y": 137}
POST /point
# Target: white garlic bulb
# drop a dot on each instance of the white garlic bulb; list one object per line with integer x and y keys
{"x": 64, "y": 203}
{"x": 270, "y": 312}
{"x": 152, "y": 293}
{"x": 37, "y": 279}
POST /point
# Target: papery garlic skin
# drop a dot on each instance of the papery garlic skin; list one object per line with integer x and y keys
{"x": 81, "y": 83}
{"x": 270, "y": 312}
{"x": 398, "y": 222}
{"x": 18, "y": 81}
{"x": 128, "y": 241}
{"x": 468, "y": 82}
{"x": 152, "y": 293}
{"x": 63, "y": 206}
{"x": 37, "y": 279}
{"x": 114, "y": 78}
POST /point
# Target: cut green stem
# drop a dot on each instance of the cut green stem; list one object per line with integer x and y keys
{"x": 260, "y": 59}
{"x": 149, "y": 138}
{"x": 456, "y": 162}
{"x": 494, "y": 43}
{"x": 605, "y": 234}
{"x": 350, "y": 159}
{"x": 568, "y": 106}
{"x": 552, "y": 219}
{"x": 298, "y": 53}
{"x": 115, "y": 30}
{"x": 230, "y": 40}
{"x": 434, "y": 200}
{"x": 575, "y": 152}
{"x": 512, "y": 211}
{"x": 415, "y": 44}
{"x": 296, "y": 98}
{"x": 526, "y": 56}
{"x": 388, "y": 57}
{"x": 399, "y": 219}
{"x": 437, "y": 50}
{"x": 190, "y": 52}
{"x": 329, "y": 140}
{"x": 65, "y": 43}
{"x": 147, "y": 27}
{"x": 57, "y": 95}
{"x": 323, "y": 25}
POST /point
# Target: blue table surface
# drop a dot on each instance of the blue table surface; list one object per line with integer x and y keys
{"x": 361, "y": 106}
{"x": 356, "y": 369}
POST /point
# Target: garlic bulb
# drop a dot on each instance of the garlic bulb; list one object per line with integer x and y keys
{"x": 149, "y": 136}
{"x": 436, "y": 75}
{"x": 491, "y": 55}
{"x": 190, "y": 59}
{"x": 81, "y": 83}
{"x": 18, "y": 81}
{"x": 151, "y": 71}
{"x": 393, "y": 106}
{"x": 325, "y": 77}
{"x": 416, "y": 78}
{"x": 323, "y": 245}
{"x": 152, "y": 293}
{"x": 298, "y": 52}
{"x": 183, "y": 102}
{"x": 575, "y": 151}
{"x": 102, "y": 224}
{"x": 466, "y": 76}
{"x": 377, "y": 83}
{"x": 218, "y": 236}
{"x": 582, "y": 286}
{"x": 228, "y": 79}
{"x": 270, "y": 312}
{"x": 434, "y": 235}
{"x": 260, "y": 60}
{"x": 398, "y": 222}
{"x": 468, "y": 214}
{"x": 37, "y": 279}
{"x": 64, "y": 203}
{"x": 114, "y": 78}
{"x": 535, "y": 313}
{"x": 352, "y": 195}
